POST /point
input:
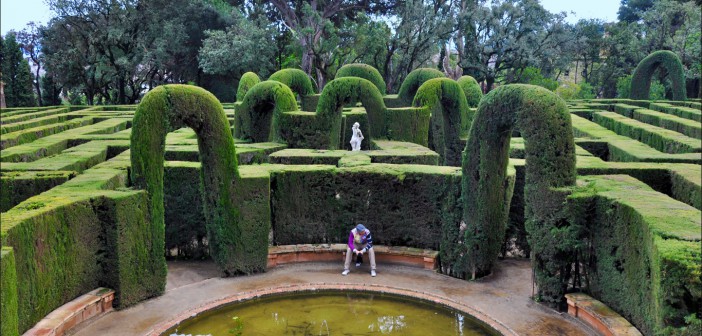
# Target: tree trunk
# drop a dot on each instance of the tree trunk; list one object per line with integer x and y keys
{"x": 38, "y": 86}
{"x": 490, "y": 81}
{"x": 121, "y": 95}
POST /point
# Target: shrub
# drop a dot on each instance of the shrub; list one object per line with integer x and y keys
{"x": 247, "y": 81}
{"x": 544, "y": 122}
{"x": 168, "y": 108}
{"x": 533, "y": 76}
{"x": 296, "y": 79}
{"x": 259, "y": 113}
{"x": 341, "y": 92}
{"x": 414, "y": 80}
{"x": 363, "y": 71}
{"x": 472, "y": 90}
{"x": 641, "y": 79}
{"x": 568, "y": 91}
{"x": 450, "y": 118}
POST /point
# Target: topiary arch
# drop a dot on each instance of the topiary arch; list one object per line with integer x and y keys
{"x": 446, "y": 102}
{"x": 260, "y": 111}
{"x": 641, "y": 79}
{"x": 414, "y": 80}
{"x": 472, "y": 90}
{"x": 341, "y": 92}
{"x": 364, "y": 71}
{"x": 170, "y": 107}
{"x": 296, "y": 79}
{"x": 544, "y": 122}
{"x": 247, "y": 81}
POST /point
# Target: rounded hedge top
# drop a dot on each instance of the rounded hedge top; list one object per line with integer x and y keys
{"x": 544, "y": 122}
{"x": 414, "y": 80}
{"x": 446, "y": 102}
{"x": 641, "y": 79}
{"x": 248, "y": 80}
{"x": 261, "y": 108}
{"x": 363, "y": 71}
{"x": 339, "y": 92}
{"x": 296, "y": 79}
{"x": 170, "y": 107}
{"x": 472, "y": 90}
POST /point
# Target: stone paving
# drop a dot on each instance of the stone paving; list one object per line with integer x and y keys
{"x": 503, "y": 296}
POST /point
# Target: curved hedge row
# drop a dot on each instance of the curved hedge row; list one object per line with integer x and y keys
{"x": 446, "y": 102}
{"x": 414, "y": 80}
{"x": 641, "y": 79}
{"x": 341, "y": 92}
{"x": 363, "y": 71}
{"x": 260, "y": 111}
{"x": 544, "y": 122}
{"x": 247, "y": 81}
{"x": 472, "y": 90}
{"x": 170, "y": 107}
{"x": 296, "y": 79}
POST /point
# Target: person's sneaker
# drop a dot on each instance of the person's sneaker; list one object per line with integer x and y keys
{"x": 358, "y": 264}
{"x": 373, "y": 273}
{"x": 345, "y": 272}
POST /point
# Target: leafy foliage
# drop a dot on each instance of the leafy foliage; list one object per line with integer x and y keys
{"x": 244, "y": 45}
{"x": 15, "y": 73}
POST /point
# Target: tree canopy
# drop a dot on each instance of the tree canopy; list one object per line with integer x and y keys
{"x": 114, "y": 51}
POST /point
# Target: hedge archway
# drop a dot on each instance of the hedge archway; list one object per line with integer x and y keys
{"x": 472, "y": 90}
{"x": 363, "y": 71}
{"x": 341, "y": 92}
{"x": 446, "y": 102}
{"x": 414, "y": 80}
{"x": 641, "y": 79}
{"x": 247, "y": 81}
{"x": 544, "y": 122}
{"x": 296, "y": 79}
{"x": 170, "y": 107}
{"x": 260, "y": 111}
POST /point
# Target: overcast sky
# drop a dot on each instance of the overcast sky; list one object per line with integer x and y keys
{"x": 15, "y": 14}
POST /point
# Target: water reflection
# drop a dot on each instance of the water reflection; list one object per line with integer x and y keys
{"x": 333, "y": 314}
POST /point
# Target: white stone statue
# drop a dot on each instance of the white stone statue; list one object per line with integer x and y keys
{"x": 356, "y": 137}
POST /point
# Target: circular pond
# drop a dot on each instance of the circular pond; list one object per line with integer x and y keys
{"x": 332, "y": 313}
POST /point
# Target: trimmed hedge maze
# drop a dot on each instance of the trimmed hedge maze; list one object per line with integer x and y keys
{"x": 613, "y": 210}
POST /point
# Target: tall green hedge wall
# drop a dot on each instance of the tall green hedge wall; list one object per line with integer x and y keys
{"x": 413, "y": 81}
{"x": 247, "y": 81}
{"x": 641, "y": 252}
{"x": 8, "y": 293}
{"x": 641, "y": 79}
{"x": 185, "y": 230}
{"x": 405, "y": 205}
{"x": 445, "y": 100}
{"x": 68, "y": 241}
{"x": 472, "y": 90}
{"x": 168, "y": 108}
{"x": 363, "y": 71}
{"x": 341, "y": 92}
{"x": 259, "y": 112}
{"x": 296, "y": 79}
{"x": 544, "y": 122}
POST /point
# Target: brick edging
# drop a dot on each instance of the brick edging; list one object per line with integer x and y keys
{"x": 72, "y": 314}
{"x": 403, "y": 255}
{"x": 600, "y": 317}
{"x": 493, "y": 323}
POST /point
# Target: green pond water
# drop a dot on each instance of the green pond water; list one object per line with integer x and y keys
{"x": 332, "y": 313}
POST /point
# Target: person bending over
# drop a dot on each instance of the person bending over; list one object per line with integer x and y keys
{"x": 360, "y": 242}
